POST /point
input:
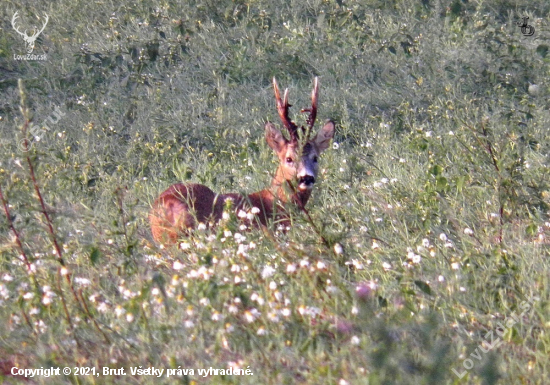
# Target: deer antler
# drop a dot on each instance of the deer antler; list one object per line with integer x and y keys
{"x": 282, "y": 108}
{"x": 313, "y": 109}
{"x": 15, "y": 17}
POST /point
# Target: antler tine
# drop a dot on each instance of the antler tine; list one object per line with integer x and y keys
{"x": 313, "y": 109}
{"x": 314, "y": 97}
{"x": 282, "y": 108}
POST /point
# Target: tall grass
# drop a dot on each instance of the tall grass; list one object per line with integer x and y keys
{"x": 428, "y": 229}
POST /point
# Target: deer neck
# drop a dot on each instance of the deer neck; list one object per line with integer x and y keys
{"x": 286, "y": 192}
{"x": 273, "y": 199}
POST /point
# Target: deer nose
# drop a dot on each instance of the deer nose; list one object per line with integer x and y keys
{"x": 307, "y": 180}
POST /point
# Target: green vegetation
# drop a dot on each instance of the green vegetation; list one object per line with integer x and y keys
{"x": 429, "y": 227}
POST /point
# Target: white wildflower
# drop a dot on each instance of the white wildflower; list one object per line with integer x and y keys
{"x": 6, "y": 277}
{"x": 188, "y": 324}
{"x": 82, "y": 281}
{"x": 204, "y": 301}
{"x": 119, "y": 310}
{"x": 267, "y": 271}
{"x": 217, "y": 316}
{"x": 251, "y": 315}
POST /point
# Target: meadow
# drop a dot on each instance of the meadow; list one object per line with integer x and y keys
{"x": 424, "y": 254}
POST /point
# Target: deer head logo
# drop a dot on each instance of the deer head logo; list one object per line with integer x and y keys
{"x": 29, "y": 40}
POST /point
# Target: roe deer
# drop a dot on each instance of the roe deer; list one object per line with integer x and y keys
{"x": 182, "y": 206}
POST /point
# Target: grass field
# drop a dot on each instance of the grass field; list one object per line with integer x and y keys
{"x": 426, "y": 259}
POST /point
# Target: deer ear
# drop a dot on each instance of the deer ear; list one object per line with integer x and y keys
{"x": 323, "y": 137}
{"x": 274, "y": 137}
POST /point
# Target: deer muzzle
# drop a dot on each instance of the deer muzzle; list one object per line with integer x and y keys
{"x": 306, "y": 182}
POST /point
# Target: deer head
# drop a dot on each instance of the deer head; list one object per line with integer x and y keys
{"x": 29, "y": 40}
{"x": 298, "y": 154}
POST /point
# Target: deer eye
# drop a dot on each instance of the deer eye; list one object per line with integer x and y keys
{"x": 289, "y": 160}
{"x": 315, "y": 159}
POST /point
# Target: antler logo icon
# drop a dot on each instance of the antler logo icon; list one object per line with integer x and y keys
{"x": 29, "y": 40}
